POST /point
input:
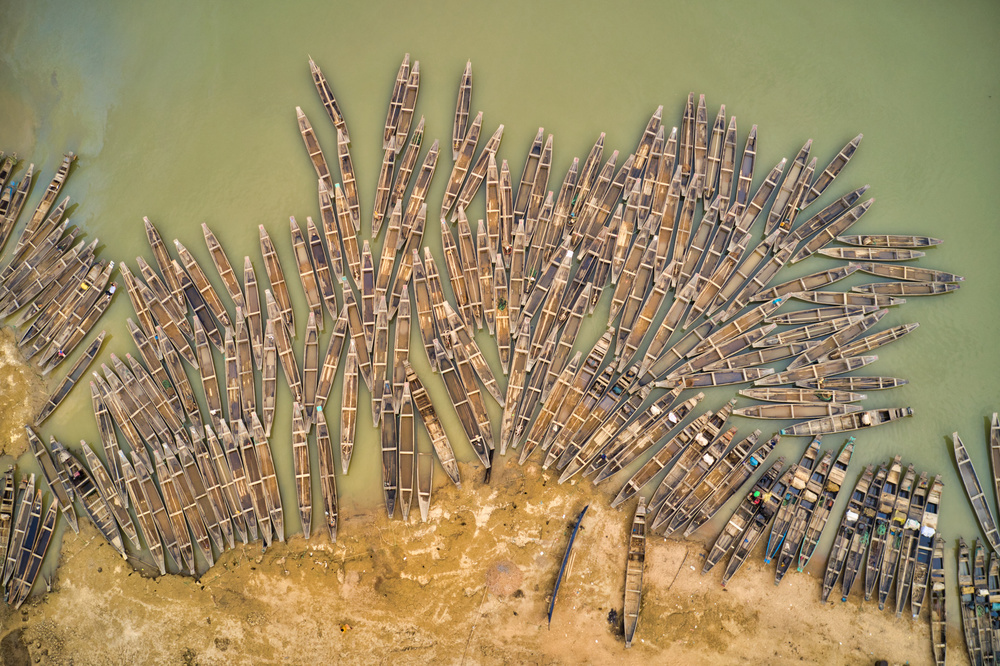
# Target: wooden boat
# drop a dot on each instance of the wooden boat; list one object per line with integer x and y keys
{"x": 462, "y": 404}
{"x": 425, "y": 313}
{"x": 810, "y": 282}
{"x": 213, "y": 486}
{"x": 158, "y": 369}
{"x": 407, "y": 453}
{"x": 391, "y": 458}
{"x": 46, "y": 202}
{"x": 720, "y": 351}
{"x": 794, "y": 493}
{"x": 383, "y": 189}
{"x": 56, "y": 477}
{"x": 331, "y": 360}
{"x": 18, "y": 527}
{"x": 880, "y": 526}
{"x": 461, "y": 125}
{"x": 438, "y": 437}
{"x": 276, "y": 276}
{"x": 86, "y": 491}
{"x": 49, "y": 322}
{"x": 75, "y": 329}
{"x": 832, "y": 170}
{"x": 793, "y": 205}
{"x": 799, "y": 395}
{"x": 225, "y": 269}
{"x": 565, "y": 340}
{"x": 7, "y": 497}
{"x": 348, "y": 179}
{"x": 25, "y": 546}
{"x": 310, "y": 370}
{"x": 255, "y": 484}
{"x": 68, "y": 382}
{"x": 633, "y": 572}
{"x": 503, "y": 314}
{"x": 894, "y": 539}
{"x": 230, "y": 491}
{"x": 163, "y": 261}
{"x": 463, "y": 365}
{"x": 565, "y": 561}
{"x": 564, "y": 445}
{"x": 349, "y": 407}
{"x": 769, "y": 505}
{"x": 272, "y": 496}
{"x": 908, "y": 273}
{"x": 796, "y": 410}
{"x": 980, "y": 579}
{"x": 160, "y": 513}
{"x": 234, "y": 403}
{"x": 425, "y": 479}
{"x": 21, "y": 586}
{"x": 515, "y": 385}
{"x": 845, "y": 533}
{"x": 553, "y": 291}
{"x": 909, "y": 542}
{"x": 186, "y": 493}
{"x": 760, "y": 357}
{"x": 706, "y": 427}
{"x": 873, "y": 341}
{"x": 368, "y": 294}
{"x": 550, "y": 404}
{"x": 816, "y": 371}
{"x": 396, "y": 101}
{"x": 143, "y": 511}
{"x": 244, "y": 363}
{"x": 409, "y": 103}
{"x": 829, "y": 230}
{"x": 907, "y": 288}
{"x": 743, "y": 516}
{"x": 817, "y": 315}
{"x": 237, "y": 471}
{"x": 356, "y": 328}
{"x": 925, "y": 547}
{"x": 326, "y": 96}
{"x": 177, "y": 312}
{"x": 109, "y": 493}
{"x": 652, "y": 424}
{"x": 784, "y": 197}
{"x": 810, "y": 332}
{"x": 517, "y": 258}
{"x": 857, "y": 544}
{"x": 462, "y": 165}
{"x": 889, "y": 241}
{"x": 341, "y": 232}
{"x": 871, "y": 254}
{"x": 284, "y": 347}
{"x": 822, "y": 351}
{"x": 313, "y": 149}
{"x": 506, "y": 212}
{"x": 477, "y": 173}
{"x": 435, "y": 291}
{"x": 848, "y": 422}
{"x": 975, "y": 492}
{"x": 175, "y": 511}
{"x": 468, "y": 267}
{"x": 967, "y": 592}
{"x": 307, "y": 275}
{"x": 7, "y": 167}
{"x": 479, "y": 363}
{"x": 939, "y": 624}
{"x": 528, "y": 174}
{"x": 300, "y": 460}
{"x": 205, "y": 288}
{"x": 328, "y": 477}
{"x": 852, "y": 383}
{"x": 206, "y": 369}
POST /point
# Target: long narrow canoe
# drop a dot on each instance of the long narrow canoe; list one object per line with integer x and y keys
{"x": 408, "y": 454}
{"x": 7, "y": 496}
{"x": 975, "y": 492}
{"x": 800, "y": 395}
{"x": 300, "y": 460}
{"x": 909, "y": 273}
{"x": 633, "y": 571}
{"x": 939, "y": 623}
{"x": 922, "y": 574}
{"x": 326, "y": 96}
{"x": 832, "y": 170}
{"x": 396, "y": 101}
{"x": 70, "y": 380}
{"x": 22, "y": 585}
{"x": 328, "y": 477}
{"x": 795, "y": 410}
{"x": 438, "y": 437}
{"x": 461, "y": 125}
{"x": 845, "y": 532}
{"x": 848, "y": 422}
{"x": 392, "y": 456}
{"x": 425, "y": 476}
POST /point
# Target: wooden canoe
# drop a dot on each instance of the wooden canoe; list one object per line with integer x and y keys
{"x": 909, "y": 273}
{"x": 852, "y": 383}
{"x": 276, "y": 276}
{"x": 326, "y": 96}
{"x": 907, "y": 288}
{"x": 633, "y": 572}
{"x": 438, "y": 437}
{"x": 396, "y": 101}
{"x": 889, "y": 241}
{"x": 848, "y": 422}
{"x": 407, "y": 452}
{"x": 796, "y": 410}
{"x": 461, "y": 125}
{"x": 871, "y": 253}
{"x": 974, "y": 490}
{"x": 349, "y": 407}
{"x": 328, "y": 478}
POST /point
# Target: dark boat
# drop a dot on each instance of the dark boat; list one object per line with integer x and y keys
{"x": 939, "y": 622}
{"x": 70, "y": 380}
{"x": 967, "y": 602}
{"x": 565, "y": 561}
{"x": 821, "y": 513}
{"x": 894, "y": 540}
{"x": 86, "y": 491}
{"x": 926, "y": 545}
{"x": 793, "y": 496}
{"x": 328, "y": 477}
{"x": 910, "y": 542}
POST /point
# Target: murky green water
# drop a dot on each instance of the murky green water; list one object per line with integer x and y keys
{"x": 186, "y": 113}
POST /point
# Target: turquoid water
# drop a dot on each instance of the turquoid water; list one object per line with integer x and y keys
{"x": 185, "y": 113}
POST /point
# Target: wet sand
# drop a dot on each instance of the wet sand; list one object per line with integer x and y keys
{"x": 470, "y": 586}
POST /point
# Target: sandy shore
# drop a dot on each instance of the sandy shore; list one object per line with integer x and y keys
{"x": 470, "y": 586}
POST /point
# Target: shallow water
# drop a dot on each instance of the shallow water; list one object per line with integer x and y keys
{"x": 185, "y": 113}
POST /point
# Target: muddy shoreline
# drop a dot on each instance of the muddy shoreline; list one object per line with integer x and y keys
{"x": 470, "y": 586}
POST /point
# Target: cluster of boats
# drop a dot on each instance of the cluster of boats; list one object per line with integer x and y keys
{"x": 666, "y": 235}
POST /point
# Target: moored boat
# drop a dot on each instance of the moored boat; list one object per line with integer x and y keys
{"x": 848, "y": 422}
{"x": 974, "y": 490}
{"x": 845, "y": 532}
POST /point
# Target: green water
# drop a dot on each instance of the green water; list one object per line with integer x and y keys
{"x": 185, "y": 112}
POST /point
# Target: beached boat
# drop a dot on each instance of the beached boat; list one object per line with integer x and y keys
{"x": 408, "y": 455}
{"x": 425, "y": 481}
{"x": 744, "y": 515}
{"x": 565, "y": 561}
{"x": 7, "y": 497}
{"x": 550, "y": 405}
{"x": 18, "y": 527}
{"x": 967, "y": 603}
{"x": 109, "y": 493}
{"x": 143, "y": 511}
{"x": 908, "y": 273}
{"x": 975, "y": 492}
{"x": 463, "y": 406}
{"x": 939, "y": 623}
{"x": 272, "y": 495}
{"x": 188, "y": 503}
{"x": 791, "y": 498}
{"x": 880, "y": 526}
{"x": 56, "y": 476}
{"x": 848, "y": 422}
{"x": 396, "y": 101}
{"x": 927, "y": 542}
{"x": 86, "y": 491}
{"x": 328, "y": 477}
{"x": 22, "y": 584}
{"x": 633, "y": 572}
{"x": 893, "y": 540}
{"x": 300, "y": 460}
{"x": 438, "y": 437}
{"x": 845, "y": 533}
{"x": 910, "y": 542}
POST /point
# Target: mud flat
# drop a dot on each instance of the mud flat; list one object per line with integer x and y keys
{"x": 469, "y": 586}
